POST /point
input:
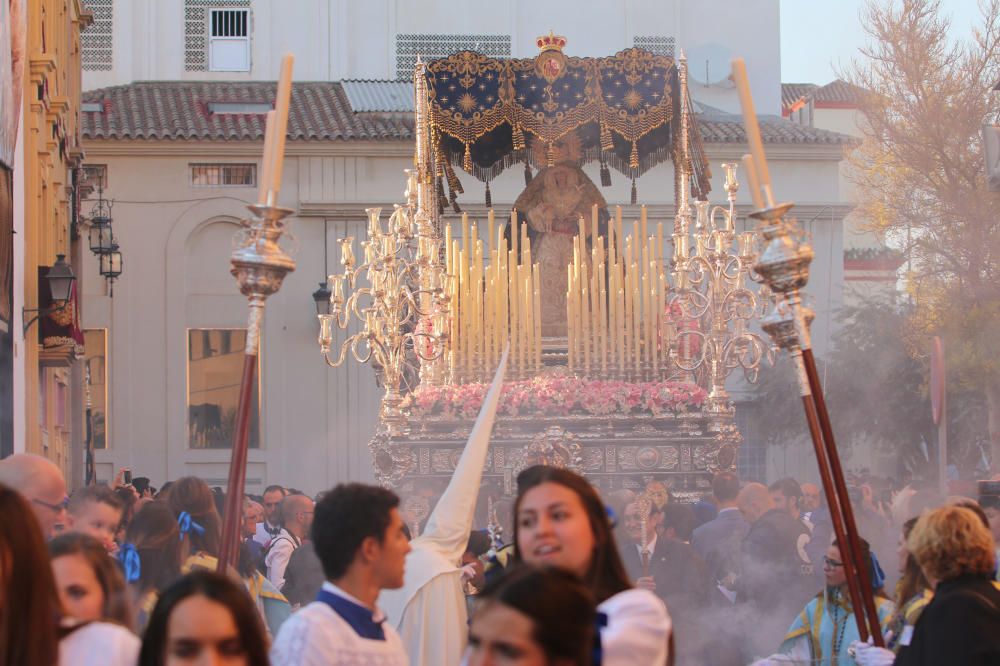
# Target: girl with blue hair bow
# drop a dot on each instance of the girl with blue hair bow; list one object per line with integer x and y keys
{"x": 826, "y": 628}
{"x": 201, "y": 529}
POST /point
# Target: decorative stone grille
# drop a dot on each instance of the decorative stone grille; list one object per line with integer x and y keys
{"x": 97, "y": 41}
{"x": 655, "y": 44}
{"x": 430, "y": 46}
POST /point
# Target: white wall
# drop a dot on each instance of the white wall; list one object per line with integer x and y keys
{"x": 342, "y": 39}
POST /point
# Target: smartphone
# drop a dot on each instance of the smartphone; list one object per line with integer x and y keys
{"x": 127, "y": 478}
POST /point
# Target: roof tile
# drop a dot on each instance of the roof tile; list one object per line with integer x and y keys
{"x": 323, "y": 111}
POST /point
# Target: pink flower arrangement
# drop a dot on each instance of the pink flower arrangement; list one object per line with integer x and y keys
{"x": 559, "y": 395}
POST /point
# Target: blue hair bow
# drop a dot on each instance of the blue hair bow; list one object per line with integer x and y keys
{"x": 185, "y": 523}
{"x": 129, "y": 557}
{"x": 877, "y": 575}
{"x": 612, "y": 516}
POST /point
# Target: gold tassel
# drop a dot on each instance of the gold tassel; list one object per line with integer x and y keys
{"x": 518, "y": 137}
{"x": 550, "y": 155}
{"x": 606, "y": 142}
{"x": 635, "y": 194}
{"x": 467, "y": 160}
{"x": 489, "y": 197}
{"x": 633, "y": 159}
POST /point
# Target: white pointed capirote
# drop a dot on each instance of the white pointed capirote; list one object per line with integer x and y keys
{"x": 429, "y": 610}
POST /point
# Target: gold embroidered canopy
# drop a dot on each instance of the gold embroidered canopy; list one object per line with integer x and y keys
{"x": 487, "y": 114}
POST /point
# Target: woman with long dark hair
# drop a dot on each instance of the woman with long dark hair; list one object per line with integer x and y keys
{"x": 34, "y": 629}
{"x": 560, "y": 521}
{"x": 204, "y": 617}
{"x": 151, "y": 556}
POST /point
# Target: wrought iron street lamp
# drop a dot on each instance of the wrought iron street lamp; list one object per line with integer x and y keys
{"x": 322, "y": 299}
{"x": 101, "y": 236}
{"x": 60, "y": 278}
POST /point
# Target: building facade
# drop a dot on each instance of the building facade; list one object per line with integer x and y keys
{"x": 244, "y": 40}
{"x": 47, "y": 388}
{"x": 173, "y": 122}
{"x": 181, "y": 174}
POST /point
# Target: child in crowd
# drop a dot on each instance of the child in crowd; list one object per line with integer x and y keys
{"x": 90, "y": 584}
{"x": 96, "y": 511}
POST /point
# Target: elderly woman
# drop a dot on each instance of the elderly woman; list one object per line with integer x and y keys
{"x": 961, "y": 624}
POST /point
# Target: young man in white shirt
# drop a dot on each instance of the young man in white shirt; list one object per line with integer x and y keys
{"x": 360, "y": 540}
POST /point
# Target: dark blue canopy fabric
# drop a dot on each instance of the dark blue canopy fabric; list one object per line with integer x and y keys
{"x": 487, "y": 114}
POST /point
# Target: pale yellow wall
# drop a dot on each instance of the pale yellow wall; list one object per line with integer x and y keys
{"x": 50, "y": 149}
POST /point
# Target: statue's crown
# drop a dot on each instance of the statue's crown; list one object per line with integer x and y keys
{"x": 551, "y": 42}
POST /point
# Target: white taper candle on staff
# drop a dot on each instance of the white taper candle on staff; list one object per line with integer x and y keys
{"x": 742, "y": 82}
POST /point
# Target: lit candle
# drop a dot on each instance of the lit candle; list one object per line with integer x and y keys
{"x": 742, "y": 82}
{"x": 491, "y": 226}
{"x": 447, "y": 248}
{"x": 466, "y": 247}
{"x": 642, "y": 217}
{"x": 628, "y": 289}
{"x": 593, "y": 224}
{"x": 513, "y": 233}
{"x": 582, "y": 231}
{"x": 659, "y": 243}
{"x": 635, "y": 323}
{"x": 620, "y": 242}
{"x": 281, "y": 104}
{"x": 537, "y": 283}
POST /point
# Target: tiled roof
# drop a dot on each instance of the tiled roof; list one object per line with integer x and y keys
{"x": 793, "y": 92}
{"x": 718, "y": 126}
{"x": 352, "y": 110}
{"x": 837, "y": 91}
{"x": 180, "y": 110}
{"x": 366, "y": 96}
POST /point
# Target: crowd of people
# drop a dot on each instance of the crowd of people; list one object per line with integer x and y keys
{"x": 128, "y": 574}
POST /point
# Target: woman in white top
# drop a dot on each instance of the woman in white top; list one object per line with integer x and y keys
{"x": 559, "y": 520}
{"x": 34, "y": 627}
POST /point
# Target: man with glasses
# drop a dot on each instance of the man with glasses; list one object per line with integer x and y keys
{"x": 40, "y": 482}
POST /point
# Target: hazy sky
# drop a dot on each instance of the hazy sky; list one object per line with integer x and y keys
{"x": 818, "y": 36}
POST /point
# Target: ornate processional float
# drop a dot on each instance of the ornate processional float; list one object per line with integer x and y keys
{"x": 622, "y": 333}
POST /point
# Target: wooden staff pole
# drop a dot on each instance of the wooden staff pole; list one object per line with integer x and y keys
{"x": 233, "y": 515}
{"x": 854, "y": 582}
{"x": 852, "y": 542}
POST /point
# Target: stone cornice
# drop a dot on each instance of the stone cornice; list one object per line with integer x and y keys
{"x": 41, "y": 64}
{"x": 223, "y": 149}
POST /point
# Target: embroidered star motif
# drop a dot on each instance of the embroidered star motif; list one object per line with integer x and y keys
{"x": 467, "y": 102}
{"x": 632, "y": 99}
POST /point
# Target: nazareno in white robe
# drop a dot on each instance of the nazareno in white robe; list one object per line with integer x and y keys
{"x": 429, "y": 611}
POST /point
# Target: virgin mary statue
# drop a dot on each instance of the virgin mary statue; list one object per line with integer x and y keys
{"x": 551, "y": 206}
